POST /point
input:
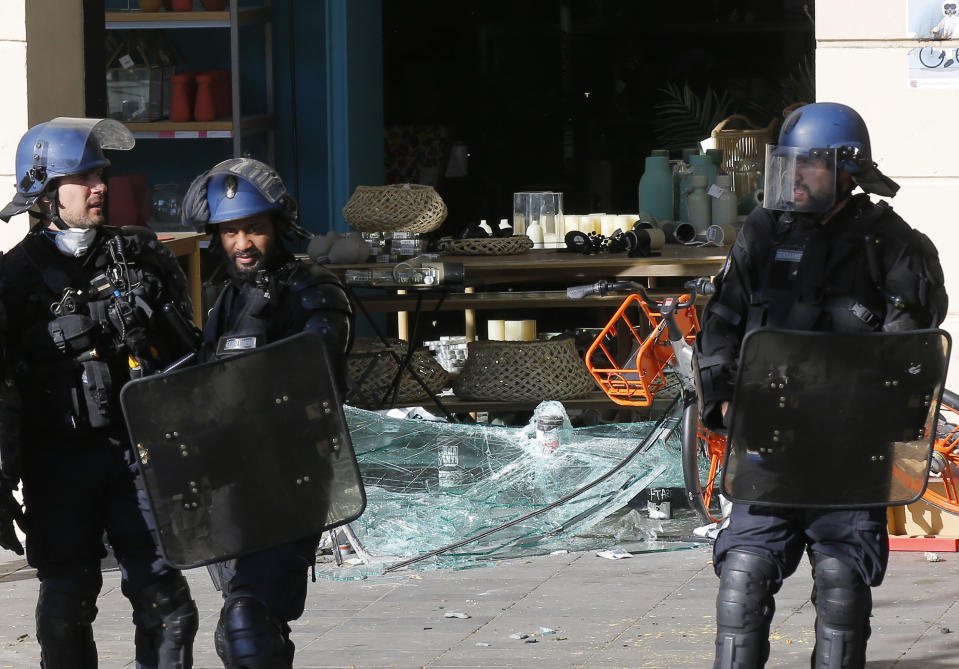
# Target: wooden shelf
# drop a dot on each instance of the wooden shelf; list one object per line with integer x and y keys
{"x": 119, "y": 20}
{"x": 218, "y": 129}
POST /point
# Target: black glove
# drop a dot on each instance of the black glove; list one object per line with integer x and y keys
{"x": 10, "y": 512}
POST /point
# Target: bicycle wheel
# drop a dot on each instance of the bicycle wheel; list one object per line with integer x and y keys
{"x": 942, "y": 490}
{"x": 703, "y": 453}
{"x": 930, "y": 57}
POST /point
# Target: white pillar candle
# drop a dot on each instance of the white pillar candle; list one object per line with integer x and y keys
{"x": 519, "y": 224}
{"x": 608, "y": 225}
{"x": 595, "y": 224}
{"x": 550, "y": 240}
{"x": 527, "y": 330}
{"x": 623, "y": 223}
{"x": 495, "y": 330}
{"x": 514, "y": 331}
{"x": 571, "y": 223}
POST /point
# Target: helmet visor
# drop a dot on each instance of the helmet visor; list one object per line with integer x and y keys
{"x": 799, "y": 179}
{"x": 62, "y": 146}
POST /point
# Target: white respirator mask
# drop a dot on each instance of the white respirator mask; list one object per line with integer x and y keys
{"x": 74, "y": 241}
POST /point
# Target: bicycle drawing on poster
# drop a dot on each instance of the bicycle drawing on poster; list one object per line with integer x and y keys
{"x": 935, "y": 62}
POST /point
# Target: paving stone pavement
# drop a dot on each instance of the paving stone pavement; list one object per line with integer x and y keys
{"x": 653, "y": 610}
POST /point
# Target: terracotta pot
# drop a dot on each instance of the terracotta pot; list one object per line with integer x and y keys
{"x": 150, "y": 5}
{"x": 183, "y": 96}
{"x": 204, "y": 109}
{"x": 214, "y": 5}
{"x": 182, "y": 5}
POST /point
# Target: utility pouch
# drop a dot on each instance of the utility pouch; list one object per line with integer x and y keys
{"x": 97, "y": 388}
{"x": 73, "y": 333}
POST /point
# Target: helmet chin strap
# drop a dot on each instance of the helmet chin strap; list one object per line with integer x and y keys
{"x": 55, "y": 211}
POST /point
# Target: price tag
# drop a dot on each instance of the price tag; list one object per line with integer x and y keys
{"x": 126, "y": 61}
{"x": 715, "y": 191}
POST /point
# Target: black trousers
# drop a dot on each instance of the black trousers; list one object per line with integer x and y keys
{"x": 857, "y": 537}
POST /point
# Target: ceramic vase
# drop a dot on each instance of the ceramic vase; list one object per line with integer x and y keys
{"x": 656, "y": 189}
{"x": 204, "y": 108}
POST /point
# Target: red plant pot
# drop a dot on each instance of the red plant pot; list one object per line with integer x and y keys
{"x": 183, "y": 96}
{"x": 204, "y": 109}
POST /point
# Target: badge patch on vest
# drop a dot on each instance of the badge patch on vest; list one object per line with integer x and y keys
{"x": 788, "y": 254}
{"x": 229, "y": 345}
{"x": 239, "y": 343}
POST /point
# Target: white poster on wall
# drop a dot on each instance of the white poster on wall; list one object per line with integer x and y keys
{"x": 935, "y": 63}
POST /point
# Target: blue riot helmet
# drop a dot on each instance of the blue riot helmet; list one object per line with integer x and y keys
{"x": 58, "y": 148}
{"x": 815, "y": 140}
{"x": 230, "y": 198}
{"x": 237, "y": 188}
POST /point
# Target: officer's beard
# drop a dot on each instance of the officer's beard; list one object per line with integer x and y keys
{"x": 265, "y": 260}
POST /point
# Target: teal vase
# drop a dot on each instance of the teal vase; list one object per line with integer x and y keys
{"x": 656, "y": 188}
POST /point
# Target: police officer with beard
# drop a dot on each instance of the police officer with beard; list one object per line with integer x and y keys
{"x": 269, "y": 296}
{"x": 86, "y": 308}
{"x": 814, "y": 257}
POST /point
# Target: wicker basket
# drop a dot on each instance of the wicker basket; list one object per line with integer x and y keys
{"x": 487, "y": 246}
{"x": 372, "y": 371}
{"x": 744, "y": 151}
{"x": 400, "y": 207}
{"x": 523, "y": 371}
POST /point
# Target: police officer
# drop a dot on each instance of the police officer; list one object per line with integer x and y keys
{"x": 87, "y": 307}
{"x": 814, "y": 257}
{"x": 269, "y": 296}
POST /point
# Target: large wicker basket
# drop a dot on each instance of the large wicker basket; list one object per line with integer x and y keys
{"x": 486, "y": 246}
{"x": 372, "y": 371}
{"x": 744, "y": 150}
{"x": 528, "y": 371}
{"x": 395, "y": 208}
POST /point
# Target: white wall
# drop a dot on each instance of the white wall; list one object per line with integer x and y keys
{"x": 13, "y": 111}
{"x": 862, "y": 49}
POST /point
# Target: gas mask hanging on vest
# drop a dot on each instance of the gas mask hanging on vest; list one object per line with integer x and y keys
{"x": 74, "y": 242}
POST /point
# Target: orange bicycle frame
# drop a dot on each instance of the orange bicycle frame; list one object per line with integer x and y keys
{"x": 636, "y": 381}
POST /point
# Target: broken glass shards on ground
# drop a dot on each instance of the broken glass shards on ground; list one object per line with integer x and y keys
{"x": 431, "y": 484}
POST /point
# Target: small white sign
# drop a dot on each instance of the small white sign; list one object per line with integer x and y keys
{"x": 716, "y": 191}
{"x": 126, "y": 62}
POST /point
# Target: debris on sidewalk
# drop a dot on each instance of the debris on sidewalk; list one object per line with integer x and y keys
{"x": 614, "y": 554}
{"x": 456, "y": 614}
{"x": 933, "y": 557}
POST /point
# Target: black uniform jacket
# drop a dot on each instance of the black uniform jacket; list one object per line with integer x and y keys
{"x": 862, "y": 269}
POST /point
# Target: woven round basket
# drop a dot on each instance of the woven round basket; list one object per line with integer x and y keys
{"x": 395, "y": 208}
{"x": 487, "y": 246}
{"x": 371, "y": 371}
{"x": 529, "y": 371}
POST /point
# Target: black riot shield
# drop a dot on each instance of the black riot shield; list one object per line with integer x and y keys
{"x": 834, "y": 420}
{"x": 244, "y": 453}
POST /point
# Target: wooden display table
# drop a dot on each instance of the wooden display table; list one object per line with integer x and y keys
{"x": 187, "y": 245}
{"x": 538, "y": 266}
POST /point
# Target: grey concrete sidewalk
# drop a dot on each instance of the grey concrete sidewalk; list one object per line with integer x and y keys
{"x": 652, "y": 610}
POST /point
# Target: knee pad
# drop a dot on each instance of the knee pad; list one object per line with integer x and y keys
{"x": 744, "y": 610}
{"x": 66, "y": 609}
{"x": 249, "y": 636}
{"x": 166, "y": 620}
{"x": 843, "y": 603}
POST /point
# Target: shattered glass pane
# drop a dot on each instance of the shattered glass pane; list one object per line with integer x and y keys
{"x": 430, "y": 484}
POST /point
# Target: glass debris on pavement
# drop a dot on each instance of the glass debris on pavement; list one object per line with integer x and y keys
{"x": 430, "y": 484}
